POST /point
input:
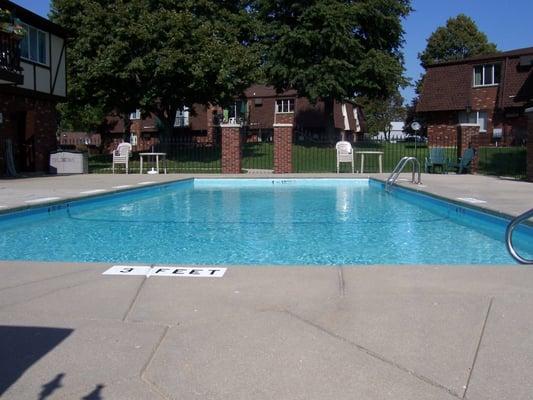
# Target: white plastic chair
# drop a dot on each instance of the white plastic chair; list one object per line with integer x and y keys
{"x": 344, "y": 154}
{"x": 122, "y": 155}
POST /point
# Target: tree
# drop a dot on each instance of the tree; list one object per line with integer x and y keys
{"x": 159, "y": 56}
{"x": 459, "y": 39}
{"x": 379, "y": 113}
{"x": 333, "y": 49}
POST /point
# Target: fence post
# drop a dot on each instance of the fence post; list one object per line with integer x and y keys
{"x": 529, "y": 113}
{"x": 231, "y": 148}
{"x": 283, "y": 129}
{"x": 467, "y": 135}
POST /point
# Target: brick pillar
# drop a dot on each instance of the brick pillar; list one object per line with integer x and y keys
{"x": 467, "y": 135}
{"x": 283, "y": 143}
{"x": 529, "y": 114}
{"x": 231, "y": 148}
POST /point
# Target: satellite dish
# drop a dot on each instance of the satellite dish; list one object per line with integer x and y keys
{"x": 416, "y": 126}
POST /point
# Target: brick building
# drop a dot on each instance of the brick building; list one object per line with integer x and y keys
{"x": 490, "y": 91}
{"x": 256, "y": 111}
{"x": 32, "y": 82}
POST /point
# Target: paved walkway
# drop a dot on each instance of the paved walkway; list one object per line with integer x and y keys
{"x": 380, "y": 332}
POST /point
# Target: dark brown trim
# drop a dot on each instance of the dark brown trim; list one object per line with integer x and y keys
{"x": 52, "y": 89}
{"x": 25, "y": 60}
{"x": 50, "y": 59}
{"x": 34, "y": 77}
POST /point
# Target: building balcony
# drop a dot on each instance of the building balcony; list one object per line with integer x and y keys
{"x": 10, "y": 69}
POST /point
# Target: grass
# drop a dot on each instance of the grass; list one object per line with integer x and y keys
{"x": 502, "y": 161}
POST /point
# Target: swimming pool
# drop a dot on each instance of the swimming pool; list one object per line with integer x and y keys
{"x": 259, "y": 222}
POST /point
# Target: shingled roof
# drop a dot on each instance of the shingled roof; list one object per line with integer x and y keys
{"x": 448, "y": 86}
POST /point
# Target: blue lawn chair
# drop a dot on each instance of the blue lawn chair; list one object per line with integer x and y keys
{"x": 436, "y": 158}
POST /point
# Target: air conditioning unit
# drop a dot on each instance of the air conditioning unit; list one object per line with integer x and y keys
{"x": 526, "y": 61}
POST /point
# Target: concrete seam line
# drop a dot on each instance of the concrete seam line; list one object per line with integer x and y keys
{"x": 340, "y": 275}
{"x": 377, "y": 356}
{"x": 478, "y": 346}
{"x": 152, "y": 385}
{"x": 134, "y": 300}
{"x": 45, "y": 279}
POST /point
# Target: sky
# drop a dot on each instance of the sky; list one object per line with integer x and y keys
{"x": 507, "y": 23}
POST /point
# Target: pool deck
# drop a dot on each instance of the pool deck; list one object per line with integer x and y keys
{"x": 379, "y": 332}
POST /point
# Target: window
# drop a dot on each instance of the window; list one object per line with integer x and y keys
{"x": 475, "y": 117}
{"x": 135, "y": 115}
{"x": 182, "y": 118}
{"x": 33, "y": 46}
{"x": 486, "y": 75}
{"x": 284, "y": 106}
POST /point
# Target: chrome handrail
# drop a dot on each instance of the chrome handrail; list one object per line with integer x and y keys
{"x": 398, "y": 170}
{"x": 509, "y": 236}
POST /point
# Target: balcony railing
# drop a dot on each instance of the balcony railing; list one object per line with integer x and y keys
{"x": 10, "y": 69}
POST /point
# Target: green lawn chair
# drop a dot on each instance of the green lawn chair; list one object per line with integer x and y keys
{"x": 465, "y": 162}
{"x": 436, "y": 158}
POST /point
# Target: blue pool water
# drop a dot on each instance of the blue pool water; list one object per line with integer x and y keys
{"x": 260, "y": 221}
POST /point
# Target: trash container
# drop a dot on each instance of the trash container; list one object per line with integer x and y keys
{"x": 69, "y": 162}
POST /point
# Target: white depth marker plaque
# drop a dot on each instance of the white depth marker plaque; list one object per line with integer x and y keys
{"x": 172, "y": 271}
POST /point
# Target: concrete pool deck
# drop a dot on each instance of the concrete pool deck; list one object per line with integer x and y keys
{"x": 380, "y": 332}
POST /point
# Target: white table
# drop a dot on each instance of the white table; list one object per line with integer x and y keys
{"x": 378, "y": 153}
{"x": 156, "y": 155}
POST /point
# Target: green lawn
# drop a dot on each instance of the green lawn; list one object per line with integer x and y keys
{"x": 189, "y": 160}
{"x": 502, "y": 161}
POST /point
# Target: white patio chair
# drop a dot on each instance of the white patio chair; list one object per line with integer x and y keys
{"x": 344, "y": 154}
{"x": 122, "y": 155}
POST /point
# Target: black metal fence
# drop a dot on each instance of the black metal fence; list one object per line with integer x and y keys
{"x": 313, "y": 152}
{"x": 182, "y": 155}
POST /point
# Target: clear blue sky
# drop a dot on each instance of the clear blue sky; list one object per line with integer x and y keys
{"x": 508, "y": 23}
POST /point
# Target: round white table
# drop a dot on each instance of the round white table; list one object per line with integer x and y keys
{"x": 156, "y": 155}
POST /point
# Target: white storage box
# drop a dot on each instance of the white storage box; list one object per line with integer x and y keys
{"x": 69, "y": 162}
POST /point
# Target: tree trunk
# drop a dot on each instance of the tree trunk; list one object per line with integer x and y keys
{"x": 127, "y": 127}
{"x": 330, "y": 120}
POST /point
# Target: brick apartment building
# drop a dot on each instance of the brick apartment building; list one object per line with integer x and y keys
{"x": 257, "y": 111}
{"x": 32, "y": 82}
{"x": 490, "y": 91}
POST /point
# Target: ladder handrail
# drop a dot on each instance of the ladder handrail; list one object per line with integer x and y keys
{"x": 399, "y": 168}
{"x": 509, "y": 236}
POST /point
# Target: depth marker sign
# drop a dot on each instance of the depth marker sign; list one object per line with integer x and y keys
{"x": 172, "y": 271}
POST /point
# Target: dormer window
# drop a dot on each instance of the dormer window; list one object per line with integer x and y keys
{"x": 135, "y": 115}
{"x": 487, "y": 75}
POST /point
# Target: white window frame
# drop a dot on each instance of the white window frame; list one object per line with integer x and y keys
{"x": 476, "y": 113}
{"x": 28, "y": 38}
{"x": 182, "y": 118}
{"x": 284, "y": 106}
{"x": 136, "y": 115}
{"x": 483, "y": 74}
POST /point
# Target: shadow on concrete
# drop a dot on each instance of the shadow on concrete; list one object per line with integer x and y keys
{"x": 96, "y": 394}
{"x": 50, "y": 387}
{"x": 23, "y": 346}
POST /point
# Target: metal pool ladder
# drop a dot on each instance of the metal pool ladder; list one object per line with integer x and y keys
{"x": 398, "y": 170}
{"x": 509, "y": 236}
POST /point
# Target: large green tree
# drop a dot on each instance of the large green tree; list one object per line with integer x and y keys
{"x": 460, "y": 38}
{"x": 379, "y": 113}
{"x": 333, "y": 49}
{"x": 158, "y": 56}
